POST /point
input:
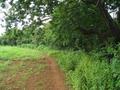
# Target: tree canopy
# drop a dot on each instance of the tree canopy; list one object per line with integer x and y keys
{"x": 74, "y": 23}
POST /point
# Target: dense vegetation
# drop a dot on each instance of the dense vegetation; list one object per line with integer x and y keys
{"x": 86, "y": 72}
{"x": 84, "y": 29}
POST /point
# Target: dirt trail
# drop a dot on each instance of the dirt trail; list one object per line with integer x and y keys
{"x": 52, "y": 77}
{"x": 42, "y": 74}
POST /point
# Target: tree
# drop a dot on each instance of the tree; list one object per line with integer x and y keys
{"x": 33, "y": 10}
{"x": 104, "y": 6}
{"x": 118, "y": 15}
{"x": 72, "y": 20}
{"x": 74, "y": 26}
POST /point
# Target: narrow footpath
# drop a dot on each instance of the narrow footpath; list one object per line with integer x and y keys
{"x": 52, "y": 77}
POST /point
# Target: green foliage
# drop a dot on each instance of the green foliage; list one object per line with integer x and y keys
{"x": 76, "y": 25}
{"x": 109, "y": 53}
{"x": 31, "y": 46}
{"x": 48, "y": 36}
{"x": 73, "y": 26}
{"x": 86, "y": 72}
{"x": 22, "y": 8}
{"x": 29, "y": 35}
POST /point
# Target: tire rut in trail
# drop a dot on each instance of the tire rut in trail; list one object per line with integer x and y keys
{"x": 52, "y": 77}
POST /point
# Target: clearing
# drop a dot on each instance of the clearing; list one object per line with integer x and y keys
{"x": 24, "y": 73}
{"x": 52, "y": 77}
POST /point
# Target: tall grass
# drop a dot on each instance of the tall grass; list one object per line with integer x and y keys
{"x": 86, "y": 72}
{"x": 83, "y": 71}
{"x": 44, "y": 50}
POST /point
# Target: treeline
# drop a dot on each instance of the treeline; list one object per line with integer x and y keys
{"x": 14, "y": 36}
{"x": 74, "y": 25}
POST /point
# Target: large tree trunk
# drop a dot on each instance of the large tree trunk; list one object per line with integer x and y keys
{"x": 118, "y": 15}
{"x": 109, "y": 21}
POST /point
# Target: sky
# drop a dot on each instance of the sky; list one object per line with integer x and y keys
{"x": 6, "y": 10}
{"x": 2, "y": 16}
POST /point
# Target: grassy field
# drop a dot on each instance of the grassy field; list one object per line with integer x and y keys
{"x": 17, "y": 65}
{"x": 83, "y": 71}
{"x": 10, "y": 53}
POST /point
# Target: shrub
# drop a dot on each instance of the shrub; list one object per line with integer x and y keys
{"x": 86, "y": 72}
{"x": 32, "y": 46}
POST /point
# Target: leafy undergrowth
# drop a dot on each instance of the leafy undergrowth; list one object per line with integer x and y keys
{"x": 85, "y": 72}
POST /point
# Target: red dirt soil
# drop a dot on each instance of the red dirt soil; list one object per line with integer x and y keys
{"x": 52, "y": 77}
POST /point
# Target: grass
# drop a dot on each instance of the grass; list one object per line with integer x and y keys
{"x": 10, "y": 53}
{"x": 83, "y": 71}
{"x": 17, "y": 65}
{"x": 16, "y": 74}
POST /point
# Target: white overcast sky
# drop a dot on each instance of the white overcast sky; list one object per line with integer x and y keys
{"x": 2, "y": 22}
{"x": 2, "y": 16}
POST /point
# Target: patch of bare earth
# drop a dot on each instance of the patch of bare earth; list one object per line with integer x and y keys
{"x": 18, "y": 72}
{"x": 28, "y": 75}
{"x": 52, "y": 77}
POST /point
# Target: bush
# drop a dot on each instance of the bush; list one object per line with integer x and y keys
{"x": 85, "y": 72}
{"x": 32, "y": 46}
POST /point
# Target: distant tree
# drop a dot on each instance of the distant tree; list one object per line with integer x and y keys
{"x": 74, "y": 22}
